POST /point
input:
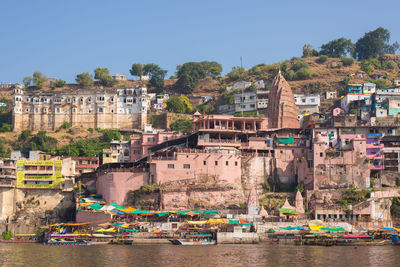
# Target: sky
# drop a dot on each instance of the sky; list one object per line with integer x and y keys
{"x": 62, "y": 38}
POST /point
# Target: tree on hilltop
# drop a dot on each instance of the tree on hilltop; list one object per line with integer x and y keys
{"x": 337, "y": 48}
{"x": 84, "y": 79}
{"x": 309, "y": 51}
{"x": 374, "y": 44}
{"x": 27, "y": 81}
{"x": 39, "y": 79}
{"x": 104, "y": 76}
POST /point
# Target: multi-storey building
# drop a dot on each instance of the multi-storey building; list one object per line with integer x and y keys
{"x": 85, "y": 164}
{"x": 119, "y": 151}
{"x": 307, "y": 103}
{"x": 117, "y": 108}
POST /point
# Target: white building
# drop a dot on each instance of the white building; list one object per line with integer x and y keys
{"x": 345, "y": 102}
{"x": 307, "y": 103}
{"x": 369, "y": 88}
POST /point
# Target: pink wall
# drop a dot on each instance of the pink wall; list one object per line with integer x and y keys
{"x": 144, "y": 145}
{"x": 114, "y": 186}
{"x": 228, "y": 167}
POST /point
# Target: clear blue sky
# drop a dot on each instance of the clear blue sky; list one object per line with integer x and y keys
{"x": 62, "y": 38}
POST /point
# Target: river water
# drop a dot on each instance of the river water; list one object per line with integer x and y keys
{"x": 220, "y": 255}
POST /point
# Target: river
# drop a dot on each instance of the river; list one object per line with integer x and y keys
{"x": 220, "y": 255}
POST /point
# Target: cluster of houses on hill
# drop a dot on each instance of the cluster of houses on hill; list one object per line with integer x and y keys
{"x": 355, "y": 143}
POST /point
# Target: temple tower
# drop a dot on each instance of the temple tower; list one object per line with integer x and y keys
{"x": 282, "y": 111}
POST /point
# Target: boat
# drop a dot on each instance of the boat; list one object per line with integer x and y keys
{"x": 63, "y": 242}
{"x": 395, "y": 240}
{"x": 192, "y": 242}
{"x": 195, "y": 240}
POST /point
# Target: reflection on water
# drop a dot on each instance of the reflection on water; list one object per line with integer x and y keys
{"x": 220, "y": 255}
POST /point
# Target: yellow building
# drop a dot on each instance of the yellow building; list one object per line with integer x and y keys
{"x": 39, "y": 174}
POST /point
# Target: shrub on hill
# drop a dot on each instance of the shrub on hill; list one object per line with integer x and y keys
{"x": 391, "y": 65}
{"x": 347, "y": 61}
{"x": 300, "y": 64}
{"x": 322, "y": 59}
{"x": 303, "y": 74}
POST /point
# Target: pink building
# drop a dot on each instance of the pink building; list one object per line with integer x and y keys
{"x": 341, "y": 168}
{"x": 141, "y": 143}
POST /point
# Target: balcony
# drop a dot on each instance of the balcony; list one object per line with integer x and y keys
{"x": 376, "y": 168}
{"x": 375, "y": 145}
{"x": 38, "y": 171}
{"x": 218, "y": 142}
{"x": 375, "y": 156}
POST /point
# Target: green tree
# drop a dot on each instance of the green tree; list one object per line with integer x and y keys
{"x": 338, "y": 48}
{"x": 374, "y": 44}
{"x": 60, "y": 83}
{"x": 39, "y": 79}
{"x": 104, "y": 76}
{"x": 137, "y": 70}
{"x": 84, "y": 79}
{"x": 230, "y": 99}
{"x": 156, "y": 75}
{"x": 185, "y": 84}
{"x": 212, "y": 68}
{"x": 181, "y": 125}
{"x": 309, "y": 51}
{"x": 175, "y": 104}
{"x": 185, "y": 101}
{"x": 27, "y": 81}
{"x": 236, "y": 73}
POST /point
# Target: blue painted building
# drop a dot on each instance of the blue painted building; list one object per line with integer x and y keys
{"x": 355, "y": 89}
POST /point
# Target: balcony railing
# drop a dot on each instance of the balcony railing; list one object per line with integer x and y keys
{"x": 376, "y": 167}
{"x": 375, "y": 145}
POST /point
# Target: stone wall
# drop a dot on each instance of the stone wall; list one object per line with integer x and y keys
{"x": 24, "y": 210}
{"x": 114, "y": 186}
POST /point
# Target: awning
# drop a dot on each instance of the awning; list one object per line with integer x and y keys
{"x": 285, "y": 141}
{"x": 234, "y": 222}
{"x": 160, "y": 214}
{"x": 211, "y": 212}
{"x": 288, "y": 211}
{"x": 115, "y": 205}
{"x": 96, "y": 206}
{"x": 389, "y": 229}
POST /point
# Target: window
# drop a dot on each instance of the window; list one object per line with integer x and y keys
{"x": 151, "y": 139}
{"x": 303, "y": 100}
{"x": 112, "y": 111}
{"x": 312, "y": 100}
{"x": 171, "y": 166}
{"x": 58, "y": 110}
{"x": 204, "y": 163}
{"x": 136, "y": 143}
{"x": 165, "y": 138}
{"x": 186, "y": 166}
{"x": 252, "y": 105}
{"x": 236, "y": 163}
{"x": 227, "y": 163}
{"x": 112, "y": 99}
{"x": 216, "y": 163}
{"x": 242, "y": 106}
{"x": 321, "y": 154}
{"x": 89, "y": 111}
{"x": 27, "y": 110}
{"x": 100, "y": 110}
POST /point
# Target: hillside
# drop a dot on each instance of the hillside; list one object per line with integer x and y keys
{"x": 329, "y": 75}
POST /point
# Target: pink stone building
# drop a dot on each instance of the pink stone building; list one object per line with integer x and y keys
{"x": 141, "y": 143}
